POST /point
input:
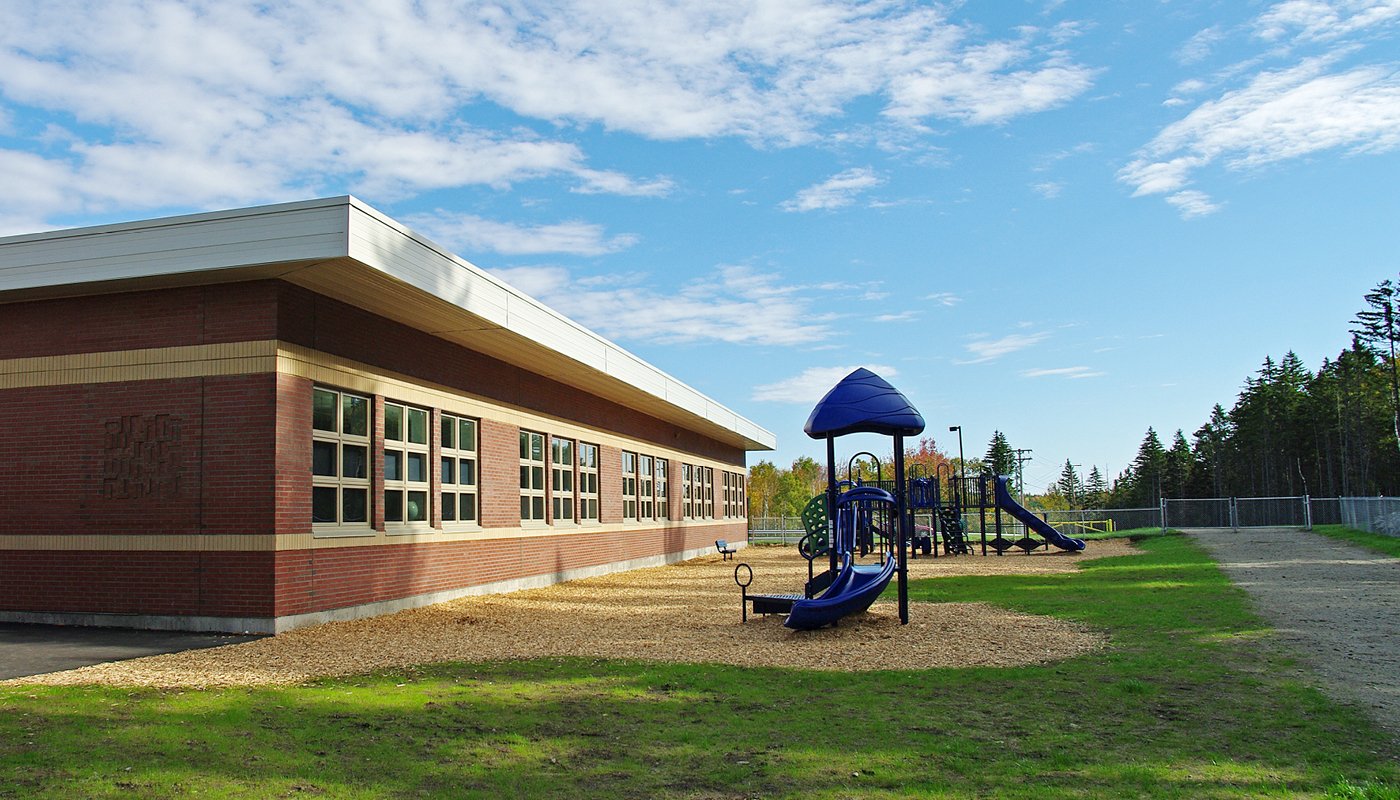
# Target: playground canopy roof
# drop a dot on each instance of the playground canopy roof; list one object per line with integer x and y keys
{"x": 344, "y": 249}
{"x": 863, "y": 402}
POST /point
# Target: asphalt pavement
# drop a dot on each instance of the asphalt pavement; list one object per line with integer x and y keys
{"x": 27, "y": 649}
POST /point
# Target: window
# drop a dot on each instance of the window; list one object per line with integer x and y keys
{"x": 629, "y": 485}
{"x": 405, "y": 464}
{"x": 340, "y": 444}
{"x": 705, "y": 499}
{"x": 687, "y": 479}
{"x": 741, "y": 484}
{"x": 531, "y": 477}
{"x": 587, "y": 482}
{"x": 646, "y": 489}
{"x": 663, "y": 491}
{"x": 728, "y": 494}
{"x": 561, "y": 469}
{"x": 459, "y": 489}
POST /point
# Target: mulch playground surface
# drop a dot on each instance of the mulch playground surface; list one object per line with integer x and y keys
{"x": 686, "y": 612}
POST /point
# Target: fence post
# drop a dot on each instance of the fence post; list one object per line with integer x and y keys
{"x": 1162, "y": 510}
{"x": 1307, "y": 513}
{"x": 1234, "y": 516}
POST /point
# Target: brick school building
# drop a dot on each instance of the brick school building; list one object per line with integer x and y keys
{"x": 259, "y": 419}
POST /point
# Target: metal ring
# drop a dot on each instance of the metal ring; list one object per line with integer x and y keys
{"x": 746, "y": 583}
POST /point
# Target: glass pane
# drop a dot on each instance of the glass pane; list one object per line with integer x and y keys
{"x": 449, "y": 471}
{"x": 323, "y": 504}
{"x": 524, "y": 477}
{"x": 566, "y": 482}
{"x": 468, "y": 473}
{"x": 323, "y": 410}
{"x": 393, "y": 422}
{"x": 393, "y": 465}
{"x": 354, "y": 504}
{"x": 466, "y": 439}
{"x": 323, "y": 458}
{"x": 418, "y": 467}
{"x": 393, "y": 506}
{"x": 417, "y": 506}
{"x": 355, "y": 415}
{"x": 417, "y": 426}
{"x": 537, "y": 478}
{"x": 536, "y": 447}
{"x": 468, "y": 507}
{"x": 524, "y": 508}
{"x": 537, "y": 506}
{"x": 449, "y": 507}
{"x": 524, "y": 445}
{"x": 354, "y": 461}
{"x": 449, "y": 431}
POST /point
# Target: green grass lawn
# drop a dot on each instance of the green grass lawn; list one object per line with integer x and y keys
{"x": 1192, "y": 699}
{"x": 1377, "y": 542}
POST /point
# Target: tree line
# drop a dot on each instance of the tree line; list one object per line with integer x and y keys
{"x": 1291, "y": 431}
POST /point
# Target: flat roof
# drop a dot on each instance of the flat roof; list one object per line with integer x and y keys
{"x": 344, "y": 249}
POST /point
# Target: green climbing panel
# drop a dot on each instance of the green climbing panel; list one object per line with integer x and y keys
{"x": 816, "y": 543}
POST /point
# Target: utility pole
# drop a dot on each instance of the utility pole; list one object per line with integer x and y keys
{"x": 1021, "y": 471}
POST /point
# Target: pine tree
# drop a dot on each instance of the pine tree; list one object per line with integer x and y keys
{"x": 1177, "y": 473}
{"x": 1095, "y": 489}
{"x": 1000, "y": 458}
{"x": 1070, "y": 486}
{"x": 1149, "y": 470}
{"x": 1380, "y": 328}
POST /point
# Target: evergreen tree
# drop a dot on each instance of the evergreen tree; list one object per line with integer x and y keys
{"x": 1177, "y": 473}
{"x": 1148, "y": 471}
{"x": 1070, "y": 487}
{"x": 1379, "y": 328}
{"x": 1095, "y": 489}
{"x": 1000, "y": 458}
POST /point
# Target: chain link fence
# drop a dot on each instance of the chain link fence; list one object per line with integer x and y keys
{"x": 1375, "y": 514}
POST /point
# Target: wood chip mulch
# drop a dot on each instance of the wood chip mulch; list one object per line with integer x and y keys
{"x": 685, "y": 612}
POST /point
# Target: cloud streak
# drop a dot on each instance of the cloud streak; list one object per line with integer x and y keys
{"x": 811, "y": 384}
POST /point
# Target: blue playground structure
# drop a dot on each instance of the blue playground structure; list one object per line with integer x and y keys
{"x": 1006, "y": 503}
{"x": 858, "y": 518}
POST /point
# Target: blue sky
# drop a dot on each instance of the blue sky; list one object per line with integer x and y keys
{"x": 1063, "y": 220}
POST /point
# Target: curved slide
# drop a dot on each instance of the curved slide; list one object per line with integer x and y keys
{"x": 1040, "y": 526}
{"x": 854, "y": 589}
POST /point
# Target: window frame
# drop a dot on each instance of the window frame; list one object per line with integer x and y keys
{"x": 459, "y": 455}
{"x": 532, "y": 480}
{"x": 586, "y": 480}
{"x": 402, "y": 442}
{"x": 629, "y": 486}
{"x": 562, "y": 470}
{"x": 340, "y": 439}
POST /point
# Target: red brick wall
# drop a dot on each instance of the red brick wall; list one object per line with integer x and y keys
{"x": 317, "y": 580}
{"x": 192, "y": 315}
{"x": 231, "y": 455}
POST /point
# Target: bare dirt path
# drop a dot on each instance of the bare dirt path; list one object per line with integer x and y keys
{"x": 1336, "y": 604}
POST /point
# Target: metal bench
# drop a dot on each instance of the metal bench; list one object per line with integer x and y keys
{"x": 724, "y": 549}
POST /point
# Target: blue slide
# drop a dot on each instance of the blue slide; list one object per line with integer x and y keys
{"x": 854, "y": 589}
{"x": 1040, "y": 526}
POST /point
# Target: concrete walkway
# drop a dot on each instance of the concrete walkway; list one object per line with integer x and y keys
{"x": 1337, "y": 605}
{"x": 35, "y": 649}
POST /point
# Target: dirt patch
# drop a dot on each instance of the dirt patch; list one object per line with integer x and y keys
{"x": 685, "y": 612}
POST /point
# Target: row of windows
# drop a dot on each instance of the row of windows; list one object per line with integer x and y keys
{"x": 341, "y": 442}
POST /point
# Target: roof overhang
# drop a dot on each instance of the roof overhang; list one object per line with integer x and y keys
{"x": 341, "y": 248}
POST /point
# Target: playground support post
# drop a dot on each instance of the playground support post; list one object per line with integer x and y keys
{"x": 906, "y": 520}
{"x": 831, "y": 501}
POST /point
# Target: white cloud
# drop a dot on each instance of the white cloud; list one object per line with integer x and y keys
{"x": 1192, "y": 203}
{"x": 943, "y": 298}
{"x": 1279, "y": 115}
{"x": 467, "y": 232}
{"x": 733, "y": 304}
{"x": 223, "y": 102}
{"x": 1200, "y": 46}
{"x": 984, "y": 349}
{"x": 903, "y": 316}
{"x": 812, "y": 384}
{"x": 1049, "y": 189}
{"x": 837, "y": 191}
{"x": 1317, "y": 20}
{"x": 1073, "y": 373}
